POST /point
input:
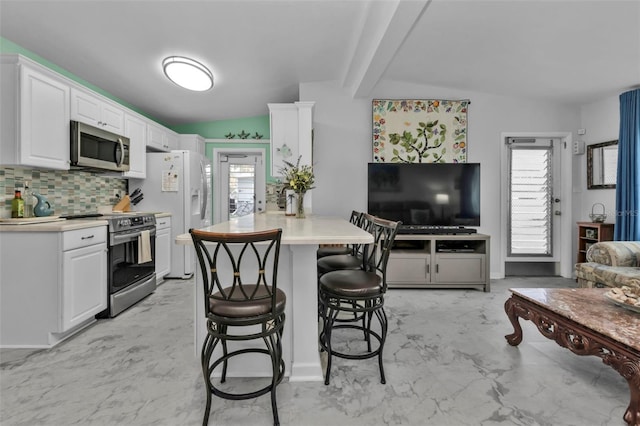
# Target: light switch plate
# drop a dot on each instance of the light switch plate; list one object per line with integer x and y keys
{"x": 578, "y": 147}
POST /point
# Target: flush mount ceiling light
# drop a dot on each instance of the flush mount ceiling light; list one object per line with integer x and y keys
{"x": 188, "y": 73}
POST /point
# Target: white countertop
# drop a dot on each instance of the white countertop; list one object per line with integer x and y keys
{"x": 312, "y": 230}
{"x": 57, "y": 226}
{"x": 60, "y": 225}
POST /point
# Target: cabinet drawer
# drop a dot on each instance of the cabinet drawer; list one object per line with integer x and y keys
{"x": 84, "y": 237}
{"x": 163, "y": 223}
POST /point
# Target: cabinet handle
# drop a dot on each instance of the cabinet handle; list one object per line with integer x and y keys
{"x": 88, "y": 238}
{"x": 428, "y": 267}
{"x": 162, "y": 223}
{"x": 437, "y": 268}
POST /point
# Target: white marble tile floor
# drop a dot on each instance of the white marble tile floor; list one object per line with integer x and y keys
{"x": 446, "y": 362}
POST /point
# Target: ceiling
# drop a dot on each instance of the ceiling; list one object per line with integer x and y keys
{"x": 260, "y": 50}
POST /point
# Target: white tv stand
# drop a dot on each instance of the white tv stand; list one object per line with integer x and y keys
{"x": 440, "y": 261}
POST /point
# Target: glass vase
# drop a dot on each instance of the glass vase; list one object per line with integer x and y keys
{"x": 300, "y": 206}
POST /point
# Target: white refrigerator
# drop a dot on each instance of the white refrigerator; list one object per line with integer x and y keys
{"x": 177, "y": 182}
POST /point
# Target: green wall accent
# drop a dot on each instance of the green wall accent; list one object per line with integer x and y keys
{"x": 7, "y": 46}
{"x": 218, "y": 129}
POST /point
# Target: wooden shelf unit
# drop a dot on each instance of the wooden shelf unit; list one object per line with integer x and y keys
{"x": 590, "y": 233}
{"x": 440, "y": 261}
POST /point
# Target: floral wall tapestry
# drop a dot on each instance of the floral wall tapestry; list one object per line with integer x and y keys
{"x": 419, "y": 131}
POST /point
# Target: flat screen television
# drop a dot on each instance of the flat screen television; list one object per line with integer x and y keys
{"x": 432, "y": 194}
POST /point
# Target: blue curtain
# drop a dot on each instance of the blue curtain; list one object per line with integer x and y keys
{"x": 628, "y": 179}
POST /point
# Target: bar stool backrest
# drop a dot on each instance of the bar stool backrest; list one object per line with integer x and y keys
{"x": 238, "y": 267}
{"x": 384, "y": 234}
{"x": 363, "y": 221}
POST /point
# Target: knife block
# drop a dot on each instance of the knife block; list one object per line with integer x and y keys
{"x": 123, "y": 205}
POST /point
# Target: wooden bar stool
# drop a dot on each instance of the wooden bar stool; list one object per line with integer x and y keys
{"x": 239, "y": 273}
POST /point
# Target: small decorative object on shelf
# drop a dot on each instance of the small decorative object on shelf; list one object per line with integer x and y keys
{"x": 598, "y": 217}
{"x": 229, "y": 135}
{"x": 243, "y": 135}
{"x": 300, "y": 179}
{"x": 257, "y": 136}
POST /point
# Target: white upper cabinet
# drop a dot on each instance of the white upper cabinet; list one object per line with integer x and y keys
{"x": 193, "y": 143}
{"x": 157, "y": 139}
{"x": 96, "y": 111}
{"x": 136, "y": 130}
{"x": 160, "y": 138}
{"x": 173, "y": 140}
{"x": 291, "y": 133}
{"x": 34, "y": 124}
{"x": 283, "y": 124}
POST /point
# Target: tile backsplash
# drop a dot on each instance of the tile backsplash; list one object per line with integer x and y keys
{"x": 68, "y": 192}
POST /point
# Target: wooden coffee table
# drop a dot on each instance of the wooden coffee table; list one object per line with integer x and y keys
{"x": 585, "y": 322}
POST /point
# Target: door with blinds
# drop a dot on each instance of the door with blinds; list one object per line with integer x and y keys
{"x": 533, "y": 208}
{"x": 241, "y": 185}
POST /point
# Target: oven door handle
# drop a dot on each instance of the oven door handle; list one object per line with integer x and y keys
{"x": 125, "y": 238}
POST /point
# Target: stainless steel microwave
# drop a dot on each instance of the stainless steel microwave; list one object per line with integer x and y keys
{"x": 96, "y": 148}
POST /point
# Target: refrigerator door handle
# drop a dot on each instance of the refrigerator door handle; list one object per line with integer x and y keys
{"x": 205, "y": 196}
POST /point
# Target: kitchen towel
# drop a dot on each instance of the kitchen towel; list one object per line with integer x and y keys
{"x": 144, "y": 247}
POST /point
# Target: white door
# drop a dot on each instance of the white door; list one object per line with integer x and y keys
{"x": 240, "y": 183}
{"x": 533, "y": 199}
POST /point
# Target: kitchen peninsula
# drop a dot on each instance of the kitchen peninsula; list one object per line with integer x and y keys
{"x": 297, "y": 277}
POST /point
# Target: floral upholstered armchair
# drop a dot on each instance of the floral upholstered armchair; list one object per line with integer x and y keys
{"x": 611, "y": 264}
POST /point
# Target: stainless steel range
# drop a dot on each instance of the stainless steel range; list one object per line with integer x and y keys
{"x": 131, "y": 258}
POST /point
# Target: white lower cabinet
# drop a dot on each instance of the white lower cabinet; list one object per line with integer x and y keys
{"x": 52, "y": 284}
{"x": 83, "y": 293}
{"x": 163, "y": 247}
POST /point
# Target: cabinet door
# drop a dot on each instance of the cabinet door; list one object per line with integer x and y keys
{"x": 136, "y": 130}
{"x": 283, "y": 122}
{"x": 90, "y": 109}
{"x": 84, "y": 284}
{"x": 173, "y": 140}
{"x": 44, "y": 120}
{"x": 408, "y": 268}
{"x": 157, "y": 138}
{"x": 459, "y": 268}
{"x": 163, "y": 252}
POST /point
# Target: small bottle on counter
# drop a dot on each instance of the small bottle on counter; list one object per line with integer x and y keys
{"x": 27, "y": 196}
{"x": 17, "y": 205}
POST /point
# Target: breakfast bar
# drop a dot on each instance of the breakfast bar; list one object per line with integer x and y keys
{"x": 297, "y": 277}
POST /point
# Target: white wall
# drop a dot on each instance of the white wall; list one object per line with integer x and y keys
{"x": 343, "y": 147}
{"x": 601, "y": 120}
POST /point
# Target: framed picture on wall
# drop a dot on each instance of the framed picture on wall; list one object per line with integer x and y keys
{"x": 419, "y": 131}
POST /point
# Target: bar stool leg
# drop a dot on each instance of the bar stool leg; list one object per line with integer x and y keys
{"x": 328, "y": 327}
{"x": 382, "y": 317}
{"x": 207, "y": 350}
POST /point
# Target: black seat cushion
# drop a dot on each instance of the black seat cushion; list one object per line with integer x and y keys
{"x": 351, "y": 283}
{"x": 338, "y": 262}
{"x": 332, "y": 251}
{"x": 237, "y": 307}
